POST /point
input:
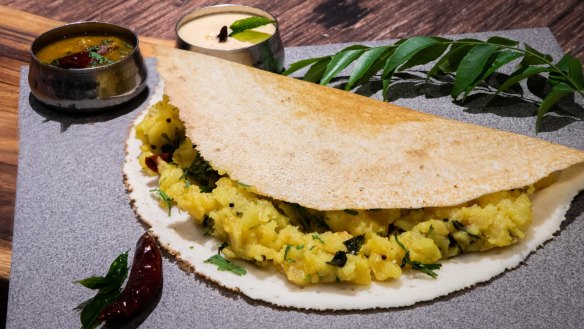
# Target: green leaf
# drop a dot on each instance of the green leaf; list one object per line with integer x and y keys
{"x": 248, "y": 24}
{"x": 225, "y": 265}
{"x": 534, "y": 57}
{"x": 162, "y": 195}
{"x": 471, "y": 67}
{"x": 552, "y": 98}
{"x": 315, "y": 72}
{"x": 108, "y": 292}
{"x": 302, "y": 64}
{"x": 521, "y": 74}
{"x": 427, "y": 269}
{"x": 573, "y": 68}
{"x": 426, "y": 56}
{"x": 316, "y": 236}
{"x": 250, "y": 36}
{"x": 500, "y": 59}
{"x": 339, "y": 259}
{"x": 502, "y": 41}
{"x": 354, "y": 244}
{"x": 450, "y": 61}
{"x": 289, "y": 260}
{"x": 341, "y": 60}
{"x": 94, "y": 282}
{"x": 405, "y": 51}
{"x": 365, "y": 63}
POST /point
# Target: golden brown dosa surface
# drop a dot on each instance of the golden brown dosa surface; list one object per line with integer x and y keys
{"x": 329, "y": 149}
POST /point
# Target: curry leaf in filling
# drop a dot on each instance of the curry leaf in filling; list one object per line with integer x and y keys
{"x": 354, "y": 244}
{"x": 339, "y": 260}
{"x": 201, "y": 171}
{"x": 427, "y": 269}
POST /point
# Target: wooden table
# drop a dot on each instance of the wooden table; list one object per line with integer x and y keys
{"x": 302, "y": 23}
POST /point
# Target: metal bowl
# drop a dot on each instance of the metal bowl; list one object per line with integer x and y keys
{"x": 267, "y": 55}
{"x": 88, "y": 89}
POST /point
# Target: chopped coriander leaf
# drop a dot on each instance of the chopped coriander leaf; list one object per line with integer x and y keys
{"x": 226, "y": 265}
{"x": 339, "y": 260}
{"x": 316, "y": 236}
{"x": 286, "y": 254}
{"x": 161, "y": 194}
{"x": 300, "y": 246}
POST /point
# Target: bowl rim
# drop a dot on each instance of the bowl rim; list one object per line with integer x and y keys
{"x": 185, "y": 18}
{"x": 88, "y": 69}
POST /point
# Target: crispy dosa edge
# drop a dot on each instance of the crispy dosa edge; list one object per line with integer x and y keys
{"x": 329, "y": 149}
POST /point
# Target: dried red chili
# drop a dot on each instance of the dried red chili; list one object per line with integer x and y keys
{"x": 143, "y": 285}
{"x": 152, "y": 161}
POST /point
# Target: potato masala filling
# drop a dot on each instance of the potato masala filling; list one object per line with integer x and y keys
{"x": 311, "y": 246}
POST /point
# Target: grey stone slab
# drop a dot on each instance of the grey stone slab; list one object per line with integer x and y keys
{"x": 73, "y": 217}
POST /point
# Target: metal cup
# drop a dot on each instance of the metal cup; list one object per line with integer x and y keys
{"x": 88, "y": 89}
{"x": 267, "y": 55}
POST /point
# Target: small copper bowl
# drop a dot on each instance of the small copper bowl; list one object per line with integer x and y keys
{"x": 87, "y": 89}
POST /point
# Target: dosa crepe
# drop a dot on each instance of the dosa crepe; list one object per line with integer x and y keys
{"x": 303, "y": 173}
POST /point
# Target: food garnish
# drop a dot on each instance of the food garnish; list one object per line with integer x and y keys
{"x": 225, "y": 264}
{"x": 471, "y": 61}
{"x": 113, "y": 305}
{"x": 162, "y": 195}
{"x": 109, "y": 289}
{"x": 143, "y": 284}
{"x": 418, "y": 266}
{"x": 249, "y": 23}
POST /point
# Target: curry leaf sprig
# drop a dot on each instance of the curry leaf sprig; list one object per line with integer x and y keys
{"x": 472, "y": 62}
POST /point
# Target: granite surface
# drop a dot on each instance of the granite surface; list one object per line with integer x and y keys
{"x": 73, "y": 218}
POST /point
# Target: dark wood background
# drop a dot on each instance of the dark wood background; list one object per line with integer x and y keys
{"x": 302, "y": 23}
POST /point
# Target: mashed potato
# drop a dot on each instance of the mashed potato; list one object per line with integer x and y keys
{"x": 312, "y": 246}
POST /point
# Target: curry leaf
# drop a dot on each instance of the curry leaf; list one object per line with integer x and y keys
{"x": 248, "y": 24}
{"x": 316, "y": 70}
{"x": 366, "y": 61}
{"x": 573, "y": 69}
{"x": 501, "y": 58}
{"x": 302, "y": 64}
{"x": 552, "y": 98}
{"x": 339, "y": 259}
{"x": 522, "y": 74}
{"x": 450, "y": 61}
{"x": 109, "y": 289}
{"x": 354, "y": 244}
{"x": 405, "y": 51}
{"x": 471, "y": 67}
{"x": 340, "y": 61}
{"x": 534, "y": 57}
{"x": 502, "y": 41}
{"x": 429, "y": 54}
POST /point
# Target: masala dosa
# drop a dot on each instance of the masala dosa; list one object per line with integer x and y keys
{"x": 328, "y": 149}
{"x": 312, "y": 137}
